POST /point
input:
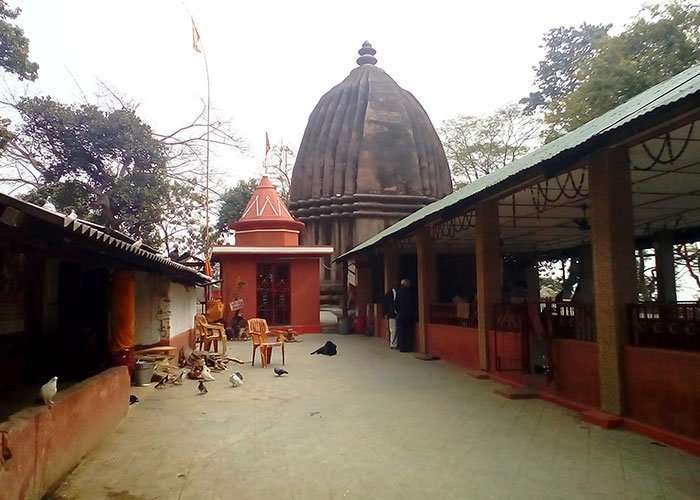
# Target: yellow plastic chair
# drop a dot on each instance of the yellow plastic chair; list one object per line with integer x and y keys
{"x": 258, "y": 330}
{"x": 207, "y": 333}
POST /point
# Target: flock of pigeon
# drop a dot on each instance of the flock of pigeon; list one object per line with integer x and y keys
{"x": 50, "y": 389}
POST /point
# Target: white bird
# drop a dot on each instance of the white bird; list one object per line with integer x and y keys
{"x": 236, "y": 379}
{"x": 48, "y": 205}
{"x": 72, "y": 215}
{"x": 48, "y": 391}
{"x": 137, "y": 243}
{"x": 206, "y": 374}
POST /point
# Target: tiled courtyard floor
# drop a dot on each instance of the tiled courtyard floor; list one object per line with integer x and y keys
{"x": 369, "y": 423}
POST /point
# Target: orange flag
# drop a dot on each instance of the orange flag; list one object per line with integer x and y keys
{"x": 207, "y": 267}
{"x": 195, "y": 38}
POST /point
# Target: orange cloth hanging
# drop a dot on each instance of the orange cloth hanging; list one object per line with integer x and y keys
{"x": 123, "y": 311}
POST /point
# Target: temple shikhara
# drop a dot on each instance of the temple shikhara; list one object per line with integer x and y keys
{"x": 369, "y": 157}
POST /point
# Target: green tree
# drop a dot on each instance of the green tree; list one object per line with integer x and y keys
{"x": 586, "y": 72}
{"x": 477, "y": 146}
{"x": 106, "y": 165}
{"x": 14, "y": 57}
{"x": 568, "y": 50}
{"x": 14, "y": 46}
{"x": 234, "y": 201}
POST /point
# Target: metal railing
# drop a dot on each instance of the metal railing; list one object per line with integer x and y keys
{"x": 463, "y": 314}
{"x": 568, "y": 320}
{"x": 666, "y": 326}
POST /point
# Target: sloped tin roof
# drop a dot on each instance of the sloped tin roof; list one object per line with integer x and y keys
{"x": 672, "y": 92}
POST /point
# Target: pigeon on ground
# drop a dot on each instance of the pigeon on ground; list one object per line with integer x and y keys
{"x": 48, "y": 391}
{"x": 133, "y": 400}
{"x": 178, "y": 379}
{"x": 202, "y": 388}
{"x": 162, "y": 382}
{"x": 236, "y": 379}
{"x": 280, "y": 371}
{"x": 206, "y": 374}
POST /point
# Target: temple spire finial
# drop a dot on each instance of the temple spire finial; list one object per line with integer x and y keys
{"x": 366, "y": 54}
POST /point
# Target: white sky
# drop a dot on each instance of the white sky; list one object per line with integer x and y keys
{"x": 271, "y": 61}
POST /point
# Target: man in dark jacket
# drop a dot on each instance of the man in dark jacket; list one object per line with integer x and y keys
{"x": 390, "y": 314}
{"x": 406, "y": 312}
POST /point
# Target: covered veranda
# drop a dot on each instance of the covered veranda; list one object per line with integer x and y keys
{"x": 626, "y": 181}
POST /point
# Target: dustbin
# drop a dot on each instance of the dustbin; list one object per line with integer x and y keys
{"x": 143, "y": 373}
{"x": 344, "y": 326}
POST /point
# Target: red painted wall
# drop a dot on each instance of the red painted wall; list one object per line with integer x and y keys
{"x": 183, "y": 339}
{"x": 305, "y": 283}
{"x": 47, "y": 444}
{"x": 662, "y": 388}
{"x": 259, "y": 238}
{"x": 454, "y": 344}
{"x": 576, "y": 371}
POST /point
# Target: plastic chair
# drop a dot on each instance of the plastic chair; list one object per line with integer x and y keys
{"x": 207, "y": 333}
{"x": 258, "y": 330}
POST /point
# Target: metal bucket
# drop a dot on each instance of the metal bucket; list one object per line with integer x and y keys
{"x": 143, "y": 373}
{"x": 344, "y": 326}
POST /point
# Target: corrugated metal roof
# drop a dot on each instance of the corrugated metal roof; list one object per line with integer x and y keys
{"x": 120, "y": 242}
{"x": 665, "y": 94}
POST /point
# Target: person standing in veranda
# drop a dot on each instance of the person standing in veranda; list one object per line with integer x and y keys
{"x": 406, "y": 313}
{"x": 390, "y": 314}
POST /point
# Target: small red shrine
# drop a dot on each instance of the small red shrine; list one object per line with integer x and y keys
{"x": 282, "y": 281}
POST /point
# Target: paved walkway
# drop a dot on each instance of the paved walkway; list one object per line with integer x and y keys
{"x": 369, "y": 423}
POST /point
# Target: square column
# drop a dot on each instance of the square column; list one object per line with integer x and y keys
{"x": 665, "y": 267}
{"x": 614, "y": 279}
{"x": 391, "y": 265}
{"x": 489, "y": 272}
{"x": 427, "y": 281}
{"x": 363, "y": 290}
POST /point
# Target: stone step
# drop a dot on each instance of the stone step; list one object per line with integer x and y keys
{"x": 517, "y": 393}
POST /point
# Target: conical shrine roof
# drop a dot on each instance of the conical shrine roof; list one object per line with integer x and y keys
{"x": 367, "y": 135}
{"x": 266, "y": 210}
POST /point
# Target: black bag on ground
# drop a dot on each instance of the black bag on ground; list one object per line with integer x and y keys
{"x": 329, "y": 349}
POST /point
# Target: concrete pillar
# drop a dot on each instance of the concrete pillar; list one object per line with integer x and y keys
{"x": 532, "y": 279}
{"x": 614, "y": 280}
{"x": 665, "y": 267}
{"x": 391, "y": 265}
{"x": 427, "y": 282}
{"x": 489, "y": 272}
{"x": 364, "y": 287}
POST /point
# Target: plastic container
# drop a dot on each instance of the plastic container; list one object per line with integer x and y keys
{"x": 360, "y": 324}
{"x": 143, "y": 372}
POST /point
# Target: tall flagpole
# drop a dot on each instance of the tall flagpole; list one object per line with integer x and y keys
{"x": 206, "y": 177}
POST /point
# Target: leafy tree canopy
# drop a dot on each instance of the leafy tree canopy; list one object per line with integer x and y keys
{"x": 477, "y": 146}
{"x": 106, "y": 165}
{"x": 586, "y": 71}
{"x": 14, "y": 46}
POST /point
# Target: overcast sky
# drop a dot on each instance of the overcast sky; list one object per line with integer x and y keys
{"x": 271, "y": 61}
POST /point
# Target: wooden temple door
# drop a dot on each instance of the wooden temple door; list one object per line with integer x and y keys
{"x": 273, "y": 293}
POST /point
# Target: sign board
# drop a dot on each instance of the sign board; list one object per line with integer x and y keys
{"x": 236, "y": 305}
